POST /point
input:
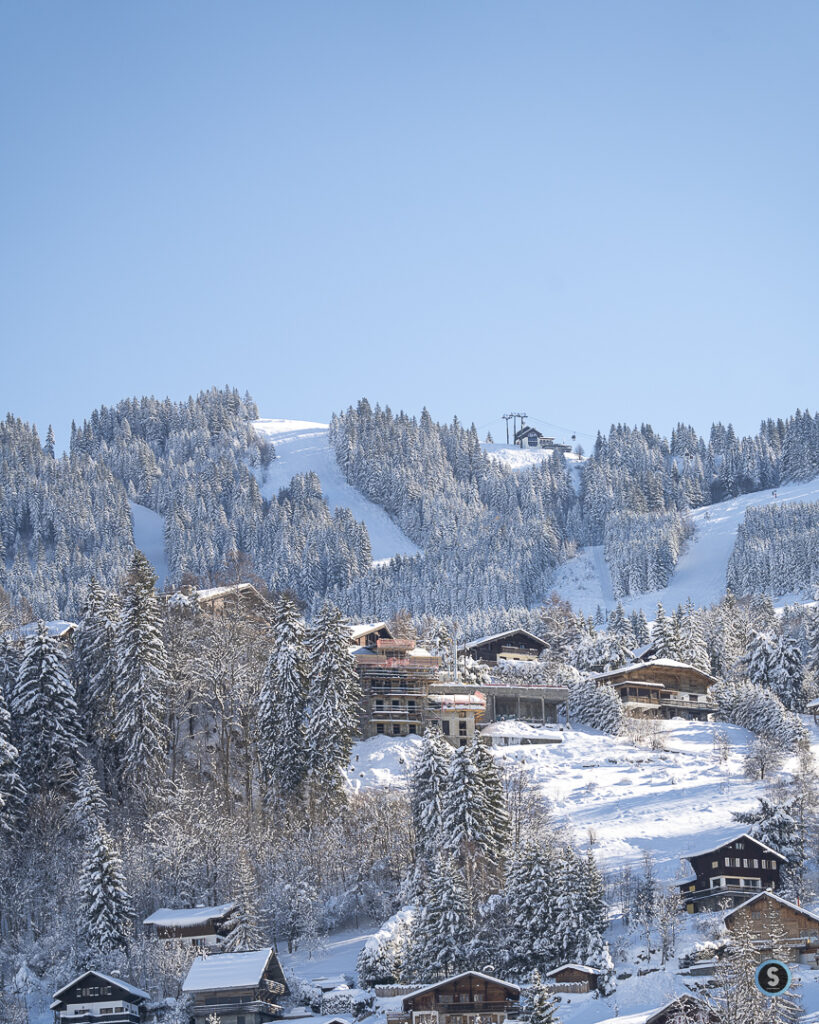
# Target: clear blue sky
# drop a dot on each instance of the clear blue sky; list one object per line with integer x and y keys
{"x": 589, "y": 211}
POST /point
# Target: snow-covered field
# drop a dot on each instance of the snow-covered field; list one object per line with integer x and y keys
{"x": 302, "y": 446}
{"x": 629, "y": 799}
{"x": 700, "y": 572}
{"x": 149, "y": 537}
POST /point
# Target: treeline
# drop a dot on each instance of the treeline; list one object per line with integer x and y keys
{"x": 776, "y": 550}
{"x": 61, "y": 522}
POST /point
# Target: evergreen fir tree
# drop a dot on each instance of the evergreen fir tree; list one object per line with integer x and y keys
{"x": 283, "y": 703}
{"x": 333, "y": 699}
{"x": 140, "y": 728}
{"x": 443, "y": 926}
{"x": 12, "y": 792}
{"x": 90, "y": 809}
{"x": 427, "y": 791}
{"x": 541, "y": 1005}
{"x": 105, "y": 905}
{"x": 245, "y": 933}
{"x": 45, "y": 716}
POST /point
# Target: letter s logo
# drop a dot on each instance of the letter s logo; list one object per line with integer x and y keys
{"x": 773, "y": 977}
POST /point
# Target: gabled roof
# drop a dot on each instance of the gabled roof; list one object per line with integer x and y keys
{"x": 573, "y": 967}
{"x": 733, "y": 839}
{"x": 772, "y": 895}
{"x": 500, "y": 636}
{"x": 213, "y": 593}
{"x": 188, "y": 917}
{"x": 654, "y": 1016}
{"x": 660, "y": 662}
{"x": 359, "y": 629}
{"x": 456, "y": 977}
{"x": 226, "y": 971}
{"x": 137, "y": 993}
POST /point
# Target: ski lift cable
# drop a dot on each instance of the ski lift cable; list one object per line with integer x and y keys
{"x": 548, "y": 423}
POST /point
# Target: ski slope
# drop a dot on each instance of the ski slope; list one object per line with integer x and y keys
{"x": 302, "y": 446}
{"x": 149, "y": 537}
{"x": 700, "y": 572}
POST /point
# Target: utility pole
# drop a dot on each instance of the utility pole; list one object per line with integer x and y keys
{"x": 522, "y": 416}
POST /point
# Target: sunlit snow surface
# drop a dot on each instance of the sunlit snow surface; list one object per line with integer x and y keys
{"x": 700, "y": 572}
{"x": 149, "y": 537}
{"x": 302, "y": 446}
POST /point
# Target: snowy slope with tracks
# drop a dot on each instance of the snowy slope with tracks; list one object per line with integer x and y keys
{"x": 700, "y": 572}
{"x": 302, "y": 447}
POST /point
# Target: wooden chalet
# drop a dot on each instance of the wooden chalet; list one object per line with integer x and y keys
{"x": 684, "y": 1007}
{"x": 729, "y": 873}
{"x": 663, "y": 688}
{"x": 531, "y": 437}
{"x": 57, "y": 629}
{"x": 93, "y": 997}
{"x": 461, "y": 999}
{"x": 513, "y": 645}
{"x": 195, "y": 926}
{"x": 573, "y": 978}
{"x": 395, "y": 677}
{"x": 239, "y": 988}
{"x": 800, "y": 926}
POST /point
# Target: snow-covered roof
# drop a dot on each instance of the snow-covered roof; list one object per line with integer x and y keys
{"x": 733, "y": 839}
{"x": 188, "y": 917}
{"x": 652, "y": 1016}
{"x": 227, "y": 970}
{"x": 660, "y": 662}
{"x": 458, "y": 700}
{"x": 456, "y": 977}
{"x": 500, "y": 636}
{"x": 54, "y": 627}
{"x": 573, "y": 967}
{"x": 358, "y": 629}
{"x": 772, "y": 895}
{"x": 235, "y": 588}
{"x": 138, "y": 993}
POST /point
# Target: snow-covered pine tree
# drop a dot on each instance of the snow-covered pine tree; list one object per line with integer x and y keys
{"x": 139, "y": 727}
{"x": 105, "y": 904}
{"x": 498, "y": 830}
{"x": 758, "y": 660}
{"x": 283, "y": 703}
{"x": 44, "y": 713}
{"x": 245, "y": 933}
{"x": 786, "y": 673}
{"x": 465, "y": 823}
{"x": 12, "y": 792}
{"x": 442, "y": 928}
{"x": 95, "y": 662}
{"x": 333, "y": 699}
{"x": 693, "y": 649}
{"x": 90, "y": 809}
{"x": 620, "y": 626}
{"x": 531, "y": 900}
{"x": 664, "y": 636}
{"x": 427, "y": 789}
{"x": 541, "y": 1005}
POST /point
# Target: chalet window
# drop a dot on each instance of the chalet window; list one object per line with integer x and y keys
{"x": 728, "y": 862}
{"x": 396, "y": 729}
{"x": 764, "y": 864}
{"x": 106, "y": 1009}
{"x": 445, "y": 728}
{"x": 774, "y": 865}
{"x": 714, "y": 863}
{"x": 379, "y": 726}
{"x": 745, "y": 862}
{"x": 379, "y": 704}
{"x": 740, "y": 846}
{"x": 396, "y": 703}
{"x": 413, "y": 730}
{"x": 756, "y": 862}
{"x": 462, "y": 728}
{"x": 105, "y": 990}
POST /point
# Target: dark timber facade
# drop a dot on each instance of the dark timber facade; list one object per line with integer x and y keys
{"x": 730, "y": 874}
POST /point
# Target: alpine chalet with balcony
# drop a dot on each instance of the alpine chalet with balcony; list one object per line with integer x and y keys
{"x": 729, "y": 874}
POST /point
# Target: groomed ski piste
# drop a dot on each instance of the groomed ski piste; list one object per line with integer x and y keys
{"x": 302, "y": 447}
{"x": 700, "y": 571}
